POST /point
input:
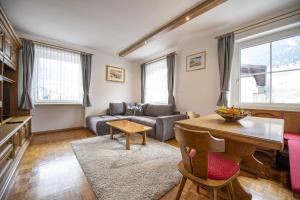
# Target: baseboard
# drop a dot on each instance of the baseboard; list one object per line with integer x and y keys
{"x": 58, "y": 130}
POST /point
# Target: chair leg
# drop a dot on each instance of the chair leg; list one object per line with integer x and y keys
{"x": 231, "y": 191}
{"x": 214, "y": 194}
{"x": 198, "y": 189}
{"x": 229, "y": 196}
{"x": 181, "y": 186}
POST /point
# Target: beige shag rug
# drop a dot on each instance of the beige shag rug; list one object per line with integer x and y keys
{"x": 143, "y": 172}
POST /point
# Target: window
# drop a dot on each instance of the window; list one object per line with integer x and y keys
{"x": 269, "y": 72}
{"x": 156, "y": 88}
{"x": 57, "y": 76}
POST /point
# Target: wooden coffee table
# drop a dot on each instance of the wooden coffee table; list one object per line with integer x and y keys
{"x": 128, "y": 128}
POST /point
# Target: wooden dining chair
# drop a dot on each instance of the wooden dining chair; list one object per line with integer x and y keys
{"x": 202, "y": 165}
{"x": 192, "y": 115}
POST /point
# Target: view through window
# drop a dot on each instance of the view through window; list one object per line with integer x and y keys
{"x": 270, "y": 72}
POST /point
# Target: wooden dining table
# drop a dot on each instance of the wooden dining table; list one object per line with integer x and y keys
{"x": 242, "y": 138}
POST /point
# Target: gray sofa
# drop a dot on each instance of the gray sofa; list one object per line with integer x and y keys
{"x": 160, "y": 117}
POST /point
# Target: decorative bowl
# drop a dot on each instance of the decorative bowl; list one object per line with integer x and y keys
{"x": 229, "y": 117}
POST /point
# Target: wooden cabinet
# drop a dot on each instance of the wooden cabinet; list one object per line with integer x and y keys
{"x": 15, "y": 137}
{"x": 15, "y": 132}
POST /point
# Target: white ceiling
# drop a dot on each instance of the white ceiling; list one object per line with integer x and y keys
{"x": 112, "y": 25}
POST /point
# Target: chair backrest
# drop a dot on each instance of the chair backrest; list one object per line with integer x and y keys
{"x": 192, "y": 115}
{"x": 201, "y": 142}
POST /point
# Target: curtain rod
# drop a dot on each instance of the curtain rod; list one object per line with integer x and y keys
{"x": 159, "y": 58}
{"x": 263, "y": 22}
{"x": 56, "y": 47}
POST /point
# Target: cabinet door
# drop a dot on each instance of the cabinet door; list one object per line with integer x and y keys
{"x": 27, "y": 130}
{"x": 14, "y": 54}
{"x": 22, "y": 135}
{"x": 1, "y": 39}
{"x": 7, "y": 46}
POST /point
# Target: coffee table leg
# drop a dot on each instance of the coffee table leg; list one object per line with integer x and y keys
{"x": 111, "y": 133}
{"x": 127, "y": 142}
{"x": 144, "y": 137}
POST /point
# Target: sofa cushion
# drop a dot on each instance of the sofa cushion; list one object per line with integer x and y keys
{"x": 159, "y": 110}
{"x": 97, "y": 124}
{"x": 291, "y": 136}
{"x": 116, "y": 108}
{"x": 145, "y": 120}
{"x": 294, "y": 149}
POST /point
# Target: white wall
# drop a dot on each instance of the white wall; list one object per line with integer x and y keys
{"x": 102, "y": 92}
{"x": 198, "y": 90}
{"x": 53, "y": 117}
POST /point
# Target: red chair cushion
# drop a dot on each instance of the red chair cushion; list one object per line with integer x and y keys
{"x": 219, "y": 167}
{"x": 294, "y": 149}
{"x": 291, "y": 136}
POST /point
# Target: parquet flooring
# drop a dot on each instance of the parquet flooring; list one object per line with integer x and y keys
{"x": 50, "y": 171}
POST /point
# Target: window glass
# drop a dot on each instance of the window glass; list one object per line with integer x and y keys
{"x": 270, "y": 72}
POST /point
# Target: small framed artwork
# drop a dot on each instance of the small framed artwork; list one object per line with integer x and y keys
{"x": 196, "y": 61}
{"x": 116, "y": 74}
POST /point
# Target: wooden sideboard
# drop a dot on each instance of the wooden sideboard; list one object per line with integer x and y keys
{"x": 15, "y": 137}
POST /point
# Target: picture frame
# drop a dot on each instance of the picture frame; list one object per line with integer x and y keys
{"x": 196, "y": 61}
{"x": 115, "y": 74}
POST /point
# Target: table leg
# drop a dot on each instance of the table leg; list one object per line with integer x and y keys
{"x": 144, "y": 137}
{"x": 251, "y": 164}
{"x": 127, "y": 142}
{"x": 111, "y": 133}
{"x": 239, "y": 192}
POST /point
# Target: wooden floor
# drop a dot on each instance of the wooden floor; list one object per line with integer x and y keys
{"x": 51, "y": 171}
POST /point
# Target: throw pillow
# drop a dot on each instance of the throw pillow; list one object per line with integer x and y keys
{"x": 130, "y": 108}
{"x": 139, "y": 109}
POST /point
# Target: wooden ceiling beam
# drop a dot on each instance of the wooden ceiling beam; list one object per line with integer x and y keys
{"x": 185, "y": 17}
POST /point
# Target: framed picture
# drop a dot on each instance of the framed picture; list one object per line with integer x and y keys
{"x": 115, "y": 74}
{"x": 196, "y": 61}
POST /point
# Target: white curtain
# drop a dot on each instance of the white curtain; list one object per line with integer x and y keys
{"x": 57, "y": 76}
{"x": 156, "y": 82}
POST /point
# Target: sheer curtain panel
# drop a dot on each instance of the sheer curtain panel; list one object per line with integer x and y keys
{"x": 156, "y": 82}
{"x": 57, "y": 77}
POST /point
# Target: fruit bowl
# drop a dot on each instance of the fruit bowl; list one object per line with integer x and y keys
{"x": 231, "y": 114}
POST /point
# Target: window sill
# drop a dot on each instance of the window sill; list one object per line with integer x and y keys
{"x": 57, "y": 104}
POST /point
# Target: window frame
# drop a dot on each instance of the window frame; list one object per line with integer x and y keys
{"x": 235, "y": 95}
{"x": 55, "y": 102}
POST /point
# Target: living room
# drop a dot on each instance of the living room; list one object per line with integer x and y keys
{"x": 195, "y": 99}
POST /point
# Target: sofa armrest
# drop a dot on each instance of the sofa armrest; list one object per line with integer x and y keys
{"x": 165, "y": 125}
